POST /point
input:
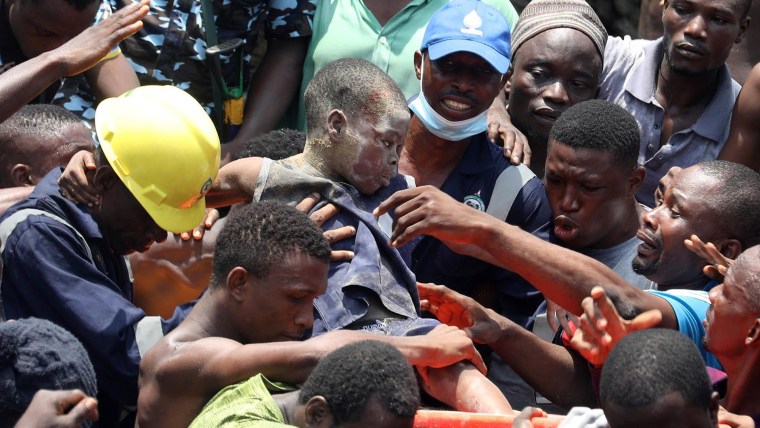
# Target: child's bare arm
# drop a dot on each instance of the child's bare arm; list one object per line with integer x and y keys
{"x": 236, "y": 182}
{"x": 464, "y": 388}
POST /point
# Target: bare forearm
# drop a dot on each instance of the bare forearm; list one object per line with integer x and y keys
{"x": 23, "y": 82}
{"x": 552, "y": 370}
{"x": 112, "y": 78}
{"x": 562, "y": 275}
{"x": 464, "y": 388}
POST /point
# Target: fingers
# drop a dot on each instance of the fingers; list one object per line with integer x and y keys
{"x": 339, "y": 234}
{"x": 478, "y": 362}
{"x": 394, "y": 201}
{"x": 308, "y": 203}
{"x": 492, "y": 133}
{"x": 648, "y": 319}
{"x": 85, "y": 410}
{"x": 323, "y": 214}
{"x": 341, "y": 255}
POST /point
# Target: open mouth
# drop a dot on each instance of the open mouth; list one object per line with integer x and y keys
{"x": 648, "y": 245}
{"x": 565, "y": 229}
{"x": 456, "y": 105}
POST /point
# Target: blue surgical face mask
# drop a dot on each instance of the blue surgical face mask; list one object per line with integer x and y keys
{"x": 442, "y": 127}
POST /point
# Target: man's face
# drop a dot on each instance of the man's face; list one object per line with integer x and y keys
{"x": 280, "y": 306}
{"x": 551, "y": 72}
{"x": 458, "y": 86}
{"x": 372, "y": 149}
{"x": 729, "y": 318}
{"x": 589, "y": 194}
{"x": 43, "y": 25}
{"x": 682, "y": 211}
{"x": 125, "y": 224}
{"x": 74, "y": 138}
{"x": 699, "y": 34}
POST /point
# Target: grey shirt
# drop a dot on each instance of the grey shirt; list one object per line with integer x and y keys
{"x": 629, "y": 79}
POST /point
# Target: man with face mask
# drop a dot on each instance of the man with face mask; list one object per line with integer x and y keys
{"x": 462, "y": 65}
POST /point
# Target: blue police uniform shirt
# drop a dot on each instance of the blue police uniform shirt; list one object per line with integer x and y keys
{"x": 48, "y": 274}
{"x": 472, "y": 182}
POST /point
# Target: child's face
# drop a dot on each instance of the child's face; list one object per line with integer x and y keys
{"x": 375, "y": 146}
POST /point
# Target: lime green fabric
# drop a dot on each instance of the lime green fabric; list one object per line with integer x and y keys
{"x": 246, "y": 404}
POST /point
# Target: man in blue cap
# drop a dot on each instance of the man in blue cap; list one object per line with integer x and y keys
{"x": 462, "y": 65}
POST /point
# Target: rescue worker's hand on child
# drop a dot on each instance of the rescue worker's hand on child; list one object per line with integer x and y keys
{"x": 320, "y": 216}
{"x": 73, "y": 182}
{"x": 60, "y": 409}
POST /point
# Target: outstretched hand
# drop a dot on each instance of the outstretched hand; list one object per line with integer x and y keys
{"x": 426, "y": 210}
{"x": 481, "y": 324}
{"x": 87, "y": 49}
{"x": 601, "y": 327}
{"x": 717, "y": 263}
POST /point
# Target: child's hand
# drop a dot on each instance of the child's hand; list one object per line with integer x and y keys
{"x": 73, "y": 183}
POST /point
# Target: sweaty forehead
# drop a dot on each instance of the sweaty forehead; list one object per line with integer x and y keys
{"x": 692, "y": 184}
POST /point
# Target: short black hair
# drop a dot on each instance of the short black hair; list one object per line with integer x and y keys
{"x": 44, "y": 123}
{"x": 648, "y": 364}
{"x": 353, "y": 85}
{"x": 275, "y": 145}
{"x": 260, "y": 234}
{"x": 599, "y": 125}
{"x": 737, "y": 203}
{"x": 349, "y": 377}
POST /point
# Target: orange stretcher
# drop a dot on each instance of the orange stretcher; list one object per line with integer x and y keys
{"x": 452, "y": 419}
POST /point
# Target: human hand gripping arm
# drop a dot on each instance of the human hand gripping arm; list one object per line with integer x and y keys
{"x": 601, "y": 327}
{"x": 553, "y": 370}
{"x": 23, "y": 82}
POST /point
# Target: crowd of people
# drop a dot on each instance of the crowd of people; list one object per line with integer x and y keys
{"x": 173, "y": 255}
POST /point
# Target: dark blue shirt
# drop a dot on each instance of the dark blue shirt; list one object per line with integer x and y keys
{"x": 48, "y": 274}
{"x": 472, "y": 182}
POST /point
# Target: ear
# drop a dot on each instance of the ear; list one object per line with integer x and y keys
{"x": 508, "y": 84}
{"x": 714, "y": 407}
{"x": 22, "y": 175}
{"x": 418, "y": 64}
{"x": 104, "y": 178}
{"x": 237, "y": 282}
{"x": 635, "y": 179}
{"x": 753, "y": 334}
{"x": 336, "y": 124}
{"x": 504, "y": 80}
{"x": 743, "y": 25}
{"x": 730, "y": 248}
{"x": 318, "y": 413}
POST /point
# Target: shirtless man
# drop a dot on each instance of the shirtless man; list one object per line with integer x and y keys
{"x": 743, "y": 145}
{"x": 250, "y": 320}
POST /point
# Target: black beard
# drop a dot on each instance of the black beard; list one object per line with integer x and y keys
{"x": 644, "y": 269}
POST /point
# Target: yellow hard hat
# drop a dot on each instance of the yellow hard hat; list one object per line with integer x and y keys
{"x": 165, "y": 149}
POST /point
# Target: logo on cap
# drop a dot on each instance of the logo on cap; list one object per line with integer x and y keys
{"x": 472, "y": 21}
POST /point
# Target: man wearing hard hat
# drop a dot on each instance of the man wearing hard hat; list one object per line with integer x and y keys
{"x": 158, "y": 155}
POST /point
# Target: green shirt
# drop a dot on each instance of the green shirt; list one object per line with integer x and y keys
{"x": 246, "y": 404}
{"x": 346, "y": 28}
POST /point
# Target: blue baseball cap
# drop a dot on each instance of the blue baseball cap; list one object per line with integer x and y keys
{"x": 469, "y": 26}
